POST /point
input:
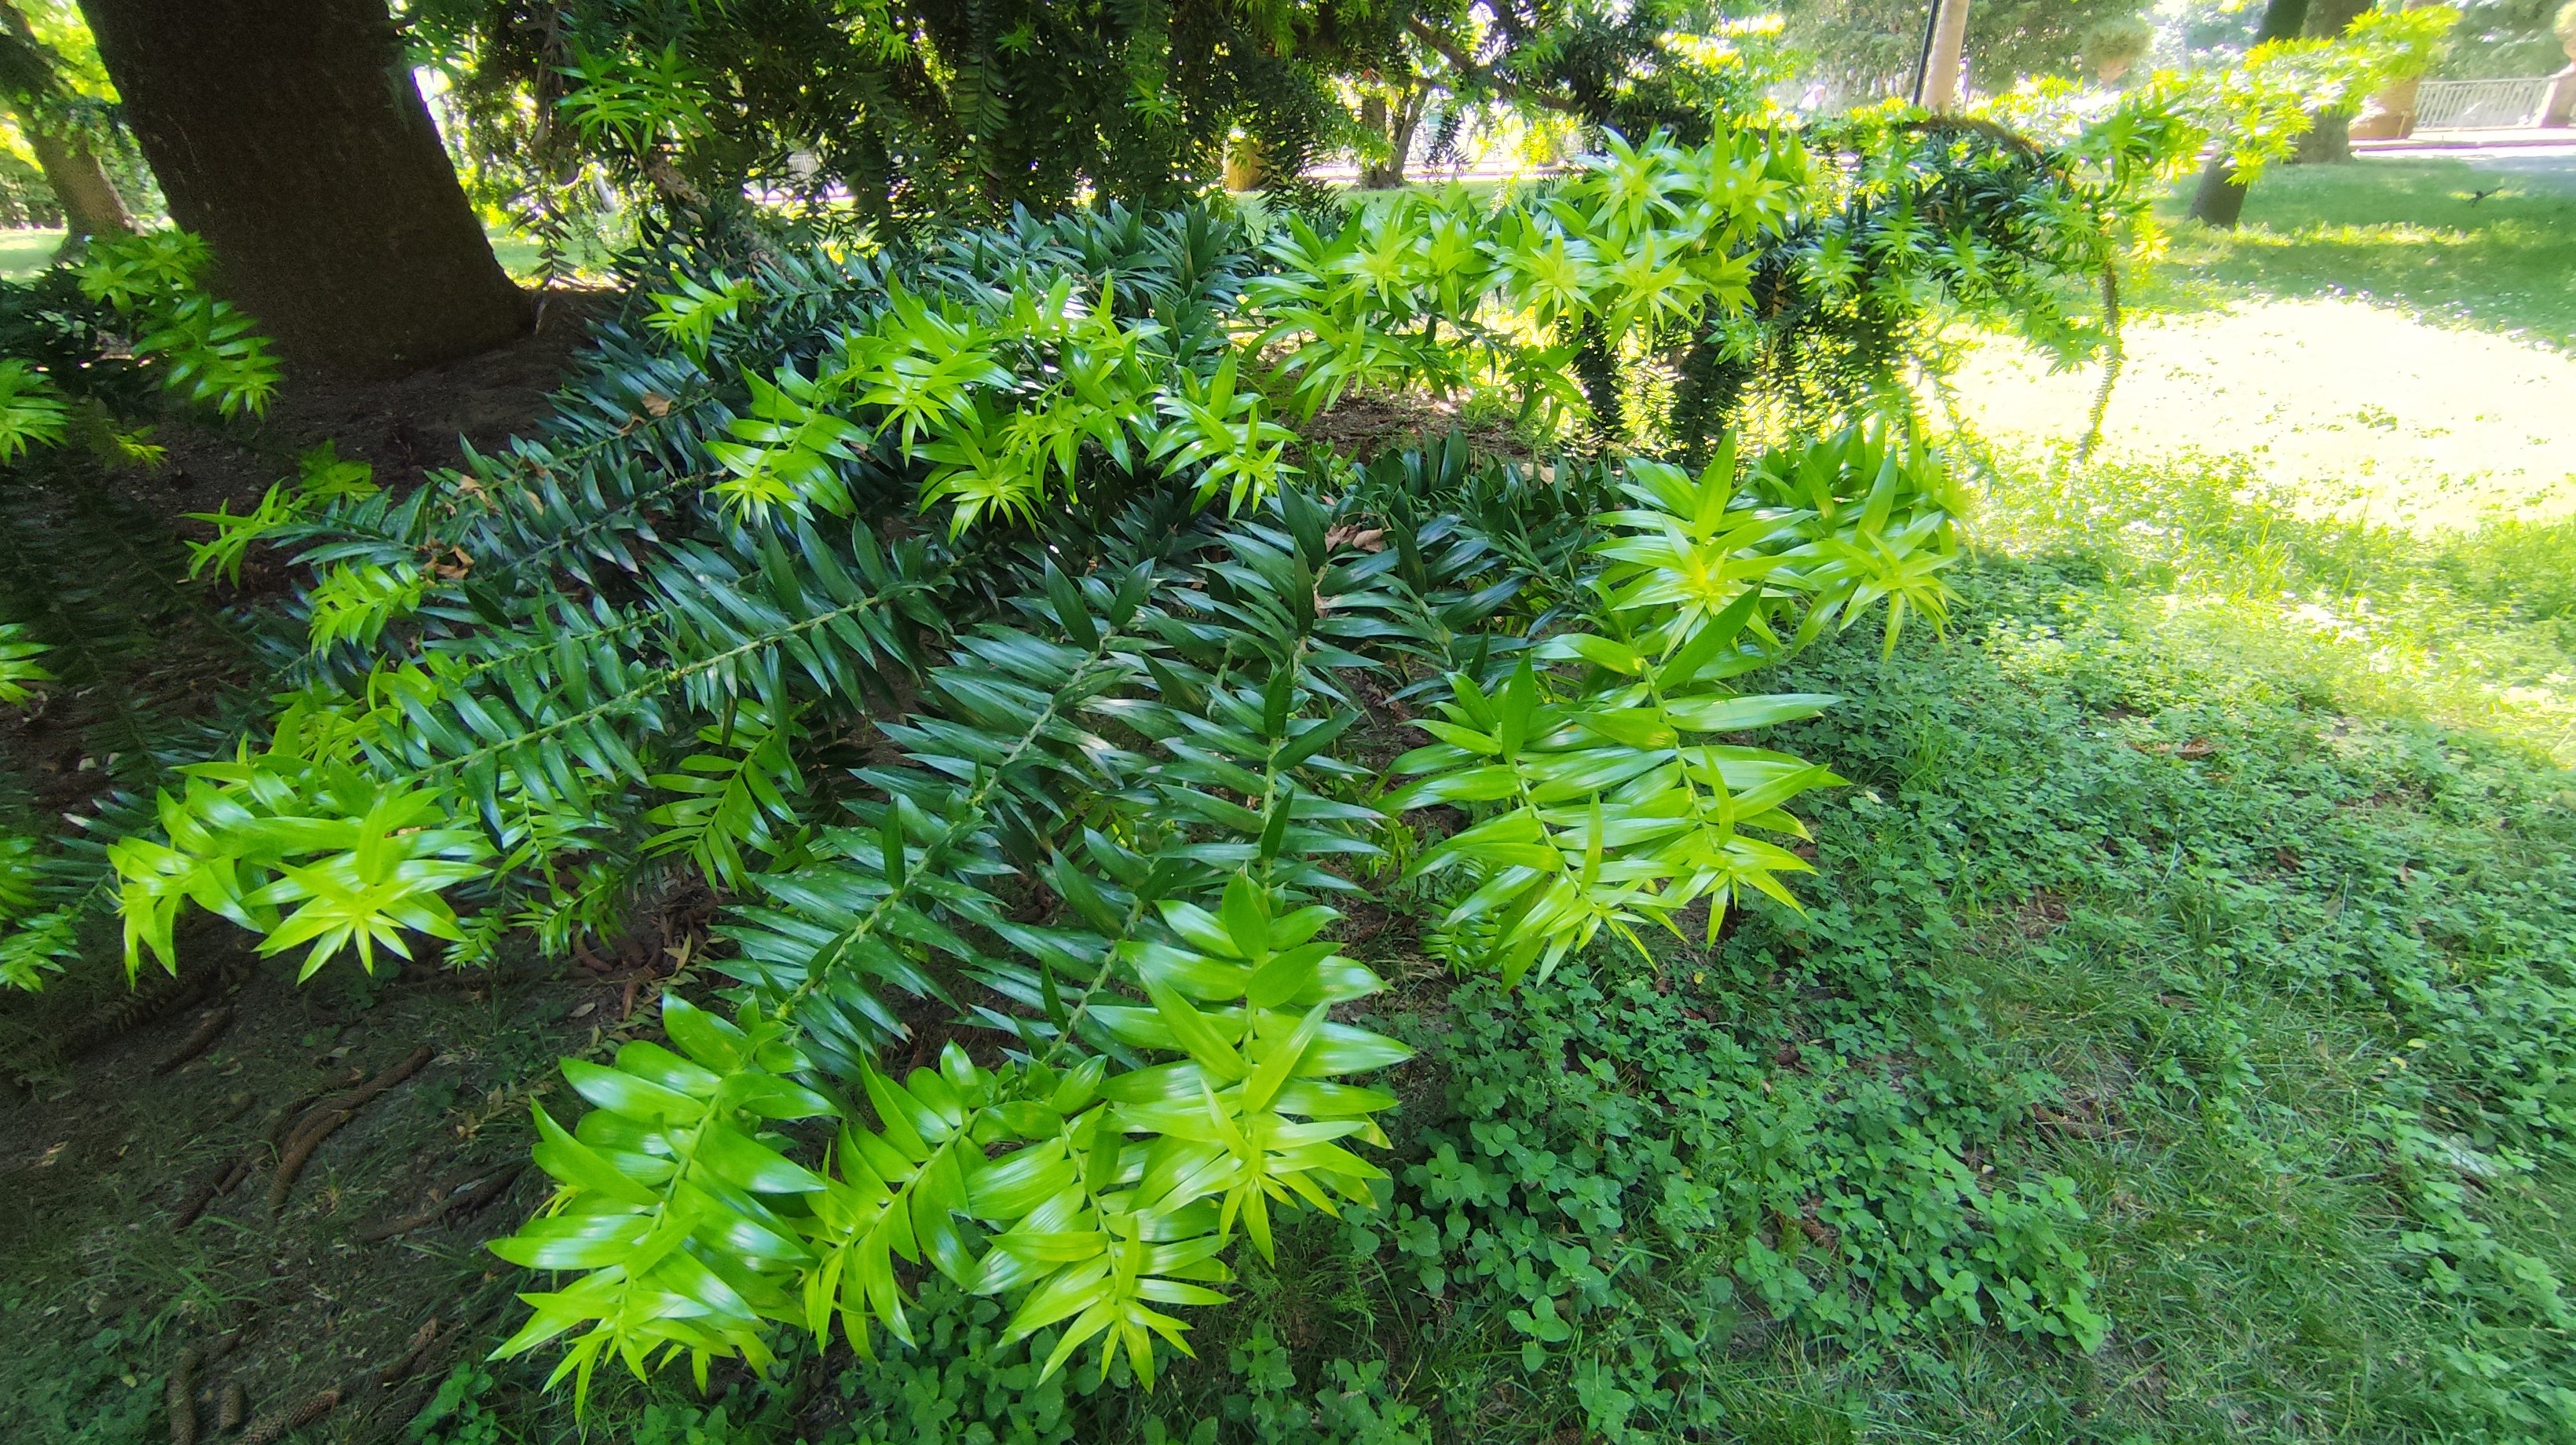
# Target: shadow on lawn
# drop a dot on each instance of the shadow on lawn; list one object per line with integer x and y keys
{"x": 2489, "y": 245}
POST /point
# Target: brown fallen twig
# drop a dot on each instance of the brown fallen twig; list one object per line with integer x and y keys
{"x": 181, "y": 1395}
{"x": 479, "y": 1191}
{"x": 199, "y": 1039}
{"x": 327, "y": 1117}
{"x": 269, "y": 1429}
{"x": 235, "y": 1408}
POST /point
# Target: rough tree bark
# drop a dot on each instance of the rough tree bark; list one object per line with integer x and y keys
{"x": 2220, "y": 202}
{"x": 290, "y": 134}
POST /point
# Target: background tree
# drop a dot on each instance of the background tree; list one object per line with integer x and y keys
{"x": 2113, "y": 46}
{"x": 1865, "y": 49}
{"x": 1632, "y": 67}
{"x": 2220, "y": 201}
{"x": 59, "y": 129}
{"x": 2330, "y": 139}
{"x": 2506, "y": 38}
{"x": 291, "y": 136}
{"x": 1392, "y": 101}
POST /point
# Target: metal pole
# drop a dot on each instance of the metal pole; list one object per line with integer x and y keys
{"x": 1923, "y": 62}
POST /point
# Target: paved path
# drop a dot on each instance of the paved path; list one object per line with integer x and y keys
{"x": 2550, "y": 164}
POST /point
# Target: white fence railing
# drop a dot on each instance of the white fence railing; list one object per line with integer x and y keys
{"x": 2481, "y": 104}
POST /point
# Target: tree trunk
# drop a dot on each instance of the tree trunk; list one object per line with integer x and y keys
{"x": 91, "y": 206}
{"x": 1408, "y": 120}
{"x": 1398, "y": 128}
{"x": 2220, "y": 202}
{"x": 2329, "y": 137}
{"x": 1940, "y": 85}
{"x": 1374, "y": 174}
{"x": 2328, "y": 141}
{"x": 291, "y": 136}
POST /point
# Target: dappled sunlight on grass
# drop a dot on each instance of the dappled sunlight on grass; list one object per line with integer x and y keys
{"x": 2467, "y": 242}
{"x": 2362, "y": 407}
{"x": 24, "y": 251}
{"x": 2471, "y": 629}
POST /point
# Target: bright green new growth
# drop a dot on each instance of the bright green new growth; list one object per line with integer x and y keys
{"x": 209, "y": 351}
{"x": 1613, "y": 813}
{"x": 145, "y": 306}
{"x": 1218, "y": 1083}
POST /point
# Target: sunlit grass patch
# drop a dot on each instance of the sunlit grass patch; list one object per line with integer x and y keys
{"x": 2467, "y": 628}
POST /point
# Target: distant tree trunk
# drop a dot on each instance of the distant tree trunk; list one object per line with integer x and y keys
{"x": 91, "y": 206}
{"x": 2221, "y": 200}
{"x": 1373, "y": 120}
{"x": 290, "y": 134}
{"x": 1940, "y": 78}
{"x": 1398, "y": 128}
{"x": 1408, "y": 120}
{"x": 2329, "y": 139}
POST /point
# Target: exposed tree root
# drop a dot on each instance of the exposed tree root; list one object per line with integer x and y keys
{"x": 269, "y": 1429}
{"x": 224, "y": 1181}
{"x": 319, "y": 1123}
{"x": 202, "y": 1038}
{"x": 473, "y": 1191}
{"x": 409, "y": 1365}
{"x": 181, "y": 1396}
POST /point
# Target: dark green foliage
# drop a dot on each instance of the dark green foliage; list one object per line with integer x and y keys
{"x": 1909, "y": 207}
{"x": 920, "y": 110}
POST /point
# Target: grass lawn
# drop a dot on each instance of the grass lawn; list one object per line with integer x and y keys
{"x": 2369, "y": 337}
{"x": 2490, "y": 245}
{"x": 24, "y": 251}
